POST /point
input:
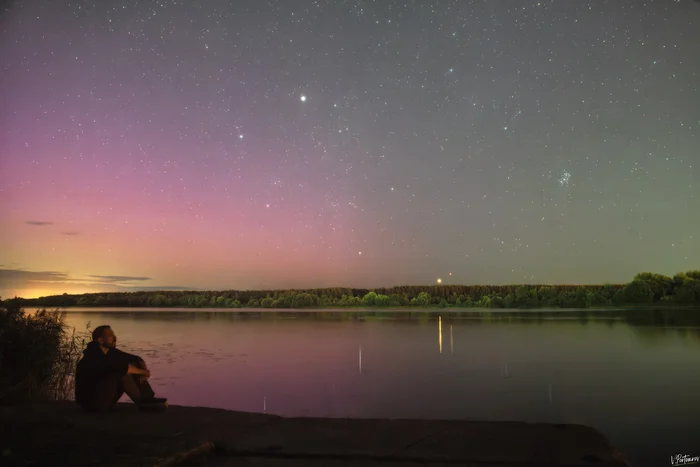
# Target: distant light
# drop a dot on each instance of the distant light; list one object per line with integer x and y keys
{"x": 439, "y": 281}
{"x": 359, "y": 252}
{"x": 303, "y": 98}
{"x": 240, "y": 136}
{"x": 450, "y": 274}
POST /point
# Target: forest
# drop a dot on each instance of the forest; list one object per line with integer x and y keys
{"x": 645, "y": 289}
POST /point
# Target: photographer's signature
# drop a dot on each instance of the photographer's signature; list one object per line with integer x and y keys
{"x": 684, "y": 459}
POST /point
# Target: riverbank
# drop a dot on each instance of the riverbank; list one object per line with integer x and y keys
{"x": 61, "y": 434}
{"x": 380, "y": 310}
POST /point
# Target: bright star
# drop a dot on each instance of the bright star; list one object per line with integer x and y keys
{"x": 439, "y": 281}
{"x": 303, "y": 98}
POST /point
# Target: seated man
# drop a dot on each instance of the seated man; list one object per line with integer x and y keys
{"x": 105, "y": 373}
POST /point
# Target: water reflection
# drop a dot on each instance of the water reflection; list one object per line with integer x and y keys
{"x": 634, "y": 377}
{"x": 665, "y": 318}
{"x": 452, "y": 342}
{"x": 662, "y": 336}
{"x": 360, "y": 363}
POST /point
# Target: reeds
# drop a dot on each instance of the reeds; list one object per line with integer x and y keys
{"x": 38, "y": 355}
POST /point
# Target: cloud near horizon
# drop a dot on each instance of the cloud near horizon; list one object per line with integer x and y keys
{"x": 39, "y": 223}
{"x": 71, "y": 232}
{"x": 120, "y": 278}
{"x": 29, "y": 284}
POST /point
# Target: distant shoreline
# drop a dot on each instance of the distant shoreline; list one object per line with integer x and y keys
{"x": 646, "y": 291}
{"x": 404, "y": 309}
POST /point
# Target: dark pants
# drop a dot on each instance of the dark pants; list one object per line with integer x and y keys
{"x": 110, "y": 390}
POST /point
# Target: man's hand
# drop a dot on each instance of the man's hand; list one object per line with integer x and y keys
{"x": 147, "y": 373}
{"x": 134, "y": 370}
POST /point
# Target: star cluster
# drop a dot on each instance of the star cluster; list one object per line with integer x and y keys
{"x": 264, "y": 144}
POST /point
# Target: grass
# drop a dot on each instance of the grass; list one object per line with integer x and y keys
{"x": 38, "y": 355}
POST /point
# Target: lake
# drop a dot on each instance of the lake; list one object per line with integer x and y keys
{"x": 635, "y": 377}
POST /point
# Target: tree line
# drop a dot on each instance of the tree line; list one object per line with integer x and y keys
{"x": 645, "y": 289}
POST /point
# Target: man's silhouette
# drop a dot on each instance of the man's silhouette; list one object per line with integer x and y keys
{"x": 105, "y": 373}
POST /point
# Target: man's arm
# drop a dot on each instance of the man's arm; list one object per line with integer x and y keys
{"x": 125, "y": 356}
{"x": 135, "y": 364}
{"x": 93, "y": 367}
{"x": 134, "y": 370}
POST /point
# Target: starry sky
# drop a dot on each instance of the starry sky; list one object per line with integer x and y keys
{"x": 268, "y": 144}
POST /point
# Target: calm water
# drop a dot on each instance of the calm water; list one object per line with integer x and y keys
{"x": 638, "y": 384}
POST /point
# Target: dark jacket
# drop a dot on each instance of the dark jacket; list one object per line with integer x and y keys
{"x": 97, "y": 368}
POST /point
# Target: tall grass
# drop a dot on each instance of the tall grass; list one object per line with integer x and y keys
{"x": 38, "y": 355}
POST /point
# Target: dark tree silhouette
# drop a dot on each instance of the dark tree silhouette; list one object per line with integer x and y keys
{"x": 645, "y": 289}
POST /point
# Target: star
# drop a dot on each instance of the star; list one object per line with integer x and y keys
{"x": 303, "y": 98}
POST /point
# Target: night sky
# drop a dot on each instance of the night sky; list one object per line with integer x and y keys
{"x": 268, "y": 144}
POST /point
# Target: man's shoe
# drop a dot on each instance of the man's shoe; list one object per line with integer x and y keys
{"x": 153, "y": 404}
{"x": 155, "y": 400}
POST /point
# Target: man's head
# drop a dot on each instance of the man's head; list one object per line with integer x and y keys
{"x": 104, "y": 336}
